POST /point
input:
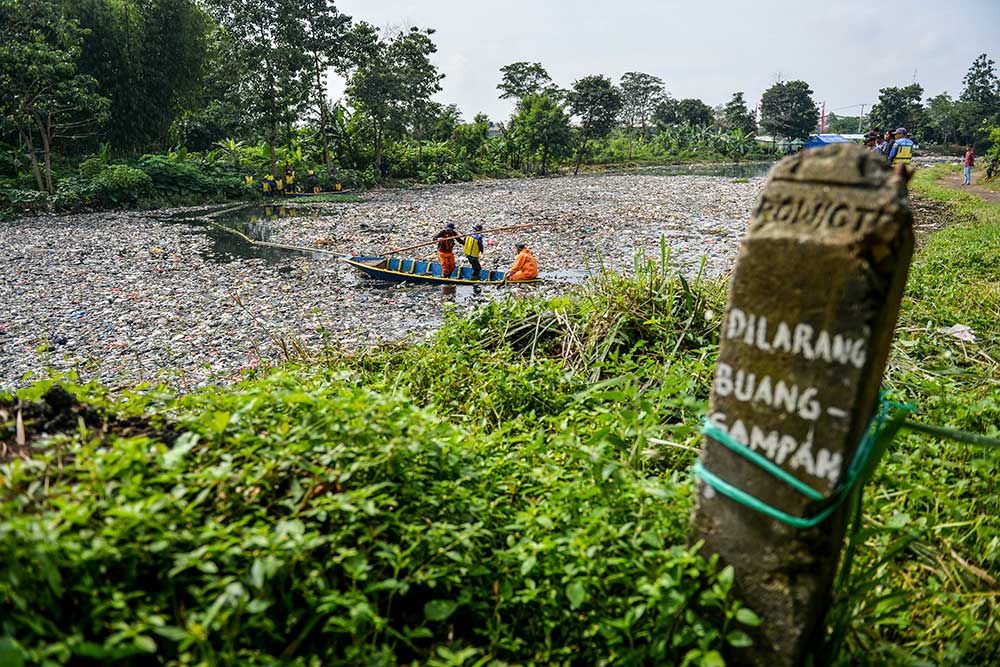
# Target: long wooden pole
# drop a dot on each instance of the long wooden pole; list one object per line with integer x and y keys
{"x": 485, "y": 231}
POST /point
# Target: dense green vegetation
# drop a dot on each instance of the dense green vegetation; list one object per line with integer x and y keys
{"x": 515, "y": 491}
{"x": 234, "y": 89}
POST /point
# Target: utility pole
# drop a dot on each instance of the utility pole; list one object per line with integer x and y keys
{"x": 861, "y": 118}
{"x": 822, "y": 120}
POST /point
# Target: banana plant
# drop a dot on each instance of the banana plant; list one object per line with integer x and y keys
{"x": 231, "y": 147}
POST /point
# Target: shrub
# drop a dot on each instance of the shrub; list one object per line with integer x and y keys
{"x": 349, "y": 178}
{"x": 120, "y": 183}
{"x": 305, "y": 520}
{"x": 174, "y": 177}
{"x": 22, "y": 200}
{"x": 73, "y": 192}
{"x": 92, "y": 167}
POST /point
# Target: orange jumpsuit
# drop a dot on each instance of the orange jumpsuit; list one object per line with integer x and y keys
{"x": 446, "y": 250}
{"x": 447, "y": 262}
{"x": 525, "y": 266}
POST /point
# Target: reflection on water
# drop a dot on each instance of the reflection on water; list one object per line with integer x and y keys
{"x": 267, "y": 214}
{"x": 737, "y": 170}
{"x": 255, "y": 223}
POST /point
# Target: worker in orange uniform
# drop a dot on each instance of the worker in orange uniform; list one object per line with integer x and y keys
{"x": 525, "y": 266}
{"x": 446, "y": 249}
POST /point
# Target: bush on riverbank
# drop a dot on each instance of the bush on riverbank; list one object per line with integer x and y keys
{"x": 151, "y": 181}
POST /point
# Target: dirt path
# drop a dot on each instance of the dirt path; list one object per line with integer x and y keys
{"x": 956, "y": 182}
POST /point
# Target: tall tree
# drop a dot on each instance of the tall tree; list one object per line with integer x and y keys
{"x": 149, "y": 57}
{"x": 944, "y": 119}
{"x": 543, "y": 126}
{"x": 640, "y": 94}
{"x": 596, "y": 101}
{"x": 979, "y": 104}
{"x": 788, "y": 110}
{"x": 899, "y": 107}
{"x": 323, "y": 33}
{"x": 44, "y": 96}
{"x": 217, "y": 112}
{"x": 683, "y": 112}
{"x": 393, "y": 81}
{"x": 521, "y": 79}
{"x": 264, "y": 37}
{"x": 736, "y": 115}
{"x": 982, "y": 85}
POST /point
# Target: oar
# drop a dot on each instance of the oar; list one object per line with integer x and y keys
{"x": 457, "y": 235}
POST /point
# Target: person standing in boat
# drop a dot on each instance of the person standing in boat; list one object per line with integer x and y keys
{"x": 525, "y": 266}
{"x": 472, "y": 247}
{"x": 446, "y": 249}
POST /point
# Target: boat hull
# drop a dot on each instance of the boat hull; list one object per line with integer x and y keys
{"x": 416, "y": 271}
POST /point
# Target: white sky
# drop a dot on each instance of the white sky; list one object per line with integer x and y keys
{"x": 845, "y": 49}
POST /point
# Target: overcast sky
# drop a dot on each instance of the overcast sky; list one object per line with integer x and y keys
{"x": 845, "y": 49}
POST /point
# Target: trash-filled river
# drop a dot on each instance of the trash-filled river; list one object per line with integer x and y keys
{"x": 179, "y": 297}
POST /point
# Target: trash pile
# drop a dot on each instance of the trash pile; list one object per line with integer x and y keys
{"x": 133, "y": 297}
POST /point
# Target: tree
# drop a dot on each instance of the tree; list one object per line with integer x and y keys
{"x": 322, "y": 32}
{"x": 543, "y": 127}
{"x": 435, "y": 122}
{"x": 393, "y": 81}
{"x": 521, "y": 79}
{"x": 640, "y": 94}
{"x": 899, "y": 107}
{"x": 683, "y": 112}
{"x": 264, "y": 37}
{"x": 979, "y": 104}
{"x": 44, "y": 96}
{"x": 787, "y": 110}
{"x": 596, "y": 101}
{"x": 149, "y": 57}
{"x": 843, "y": 124}
{"x": 736, "y": 115}
{"x": 218, "y": 111}
{"x": 469, "y": 138}
{"x": 944, "y": 119}
{"x": 982, "y": 85}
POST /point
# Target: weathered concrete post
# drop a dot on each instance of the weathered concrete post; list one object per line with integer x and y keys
{"x": 812, "y": 307}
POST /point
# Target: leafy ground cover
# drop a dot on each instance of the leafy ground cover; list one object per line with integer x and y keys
{"x": 515, "y": 491}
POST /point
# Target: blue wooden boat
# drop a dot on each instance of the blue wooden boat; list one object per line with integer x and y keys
{"x": 403, "y": 270}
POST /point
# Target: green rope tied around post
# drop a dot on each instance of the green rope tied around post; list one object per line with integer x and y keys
{"x": 858, "y": 467}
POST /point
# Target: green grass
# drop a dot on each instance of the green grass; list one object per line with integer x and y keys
{"x": 514, "y": 491}
{"x": 925, "y": 585}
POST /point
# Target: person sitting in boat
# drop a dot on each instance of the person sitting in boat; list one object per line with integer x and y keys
{"x": 472, "y": 247}
{"x": 525, "y": 266}
{"x": 446, "y": 249}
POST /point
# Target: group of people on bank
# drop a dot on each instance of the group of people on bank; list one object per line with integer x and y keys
{"x": 896, "y": 147}
{"x": 525, "y": 266}
{"x": 289, "y": 184}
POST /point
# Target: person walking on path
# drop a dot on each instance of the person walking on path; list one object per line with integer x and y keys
{"x": 991, "y": 169}
{"x": 525, "y": 266}
{"x": 902, "y": 148}
{"x": 472, "y": 247}
{"x": 446, "y": 249}
{"x": 969, "y": 163}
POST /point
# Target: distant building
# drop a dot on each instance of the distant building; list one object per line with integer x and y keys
{"x": 780, "y": 144}
{"x": 494, "y": 130}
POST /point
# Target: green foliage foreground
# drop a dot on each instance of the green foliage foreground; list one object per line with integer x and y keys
{"x": 515, "y": 491}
